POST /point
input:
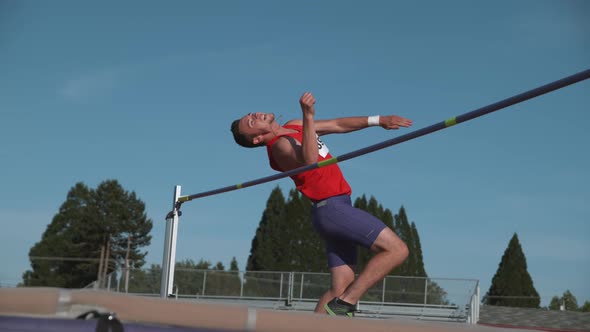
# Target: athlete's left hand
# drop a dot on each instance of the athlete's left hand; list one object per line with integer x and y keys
{"x": 394, "y": 122}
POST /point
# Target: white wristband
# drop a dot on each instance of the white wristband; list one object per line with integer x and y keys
{"x": 373, "y": 120}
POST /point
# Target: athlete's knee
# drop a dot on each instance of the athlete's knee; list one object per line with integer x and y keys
{"x": 402, "y": 250}
{"x": 342, "y": 277}
{"x": 390, "y": 242}
{"x": 399, "y": 248}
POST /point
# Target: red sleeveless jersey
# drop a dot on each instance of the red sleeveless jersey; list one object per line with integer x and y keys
{"x": 315, "y": 184}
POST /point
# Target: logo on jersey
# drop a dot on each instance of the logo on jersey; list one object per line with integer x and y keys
{"x": 322, "y": 148}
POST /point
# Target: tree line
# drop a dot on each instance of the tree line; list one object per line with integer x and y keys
{"x": 98, "y": 232}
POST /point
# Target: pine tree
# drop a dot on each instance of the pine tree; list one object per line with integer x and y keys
{"x": 402, "y": 289}
{"x": 63, "y": 237}
{"x": 512, "y": 285}
{"x": 373, "y": 207}
{"x": 233, "y": 266}
{"x": 414, "y": 264}
{"x": 285, "y": 239}
{"x": 555, "y": 303}
{"x": 304, "y": 250}
{"x": 91, "y": 225}
{"x": 403, "y": 229}
{"x": 364, "y": 255}
{"x": 123, "y": 226}
{"x": 412, "y": 290}
{"x": 268, "y": 235}
{"x": 419, "y": 270}
{"x": 570, "y": 301}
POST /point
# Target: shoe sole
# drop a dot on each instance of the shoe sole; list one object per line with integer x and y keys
{"x": 332, "y": 313}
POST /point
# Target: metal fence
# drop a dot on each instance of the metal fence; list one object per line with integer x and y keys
{"x": 422, "y": 298}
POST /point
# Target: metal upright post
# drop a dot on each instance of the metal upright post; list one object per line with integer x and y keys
{"x": 383, "y": 291}
{"x": 425, "y": 291}
{"x": 477, "y": 294}
{"x": 169, "y": 258}
{"x": 243, "y": 276}
{"x": 290, "y": 289}
{"x": 301, "y": 289}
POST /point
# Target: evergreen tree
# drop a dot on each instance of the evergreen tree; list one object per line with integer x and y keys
{"x": 555, "y": 303}
{"x": 410, "y": 290}
{"x": 285, "y": 239}
{"x": 512, "y": 285}
{"x": 569, "y": 301}
{"x": 361, "y": 203}
{"x": 233, "y": 266}
{"x": 364, "y": 255}
{"x": 373, "y": 207}
{"x": 419, "y": 271}
{"x": 414, "y": 264}
{"x": 401, "y": 289}
{"x": 63, "y": 238}
{"x": 269, "y": 235}
{"x": 123, "y": 225}
{"x": 303, "y": 250}
{"x": 91, "y": 225}
{"x": 404, "y": 231}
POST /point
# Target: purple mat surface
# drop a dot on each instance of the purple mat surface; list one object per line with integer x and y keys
{"x": 30, "y": 324}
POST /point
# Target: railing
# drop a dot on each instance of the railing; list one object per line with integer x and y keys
{"x": 421, "y": 298}
{"x": 110, "y": 282}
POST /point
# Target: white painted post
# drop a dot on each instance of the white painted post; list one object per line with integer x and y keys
{"x": 169, "y": 258}
{"x": 281, "y": 286}
{"x": 243, "y": 276}
{"x": 383, "y": 291}
{"x": 301, "y": 289}
{"x": 204, "y": 283}
{"x": 477, "y": 301}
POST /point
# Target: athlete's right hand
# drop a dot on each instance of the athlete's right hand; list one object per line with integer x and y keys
{"x": 307, "y": 101}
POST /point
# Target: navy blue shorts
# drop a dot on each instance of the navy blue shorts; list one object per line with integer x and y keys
{"x": 343, "y": 227}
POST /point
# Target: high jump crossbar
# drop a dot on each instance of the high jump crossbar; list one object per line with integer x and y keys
{"x": 583, "y": 75}
{"x": 172, "y": 218}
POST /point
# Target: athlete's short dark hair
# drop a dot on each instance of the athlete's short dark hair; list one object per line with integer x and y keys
{"x": 240, "y": 138}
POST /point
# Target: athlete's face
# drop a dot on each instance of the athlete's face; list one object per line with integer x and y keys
{"x": 256, "y": 124}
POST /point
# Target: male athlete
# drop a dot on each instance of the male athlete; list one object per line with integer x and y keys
{"x": 341, "y": 226}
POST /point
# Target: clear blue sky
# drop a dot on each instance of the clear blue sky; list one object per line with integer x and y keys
{"x": 144, "y": 92}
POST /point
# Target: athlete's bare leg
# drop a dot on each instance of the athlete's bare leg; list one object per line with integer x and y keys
{"x": 342, "y": 276}
{"x": 391, "y": 252}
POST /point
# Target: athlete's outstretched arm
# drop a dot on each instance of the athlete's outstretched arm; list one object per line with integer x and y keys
{"x": 348, "y": 124}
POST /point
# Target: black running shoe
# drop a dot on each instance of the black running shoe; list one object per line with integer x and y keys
{"x": 337, "y": 307}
